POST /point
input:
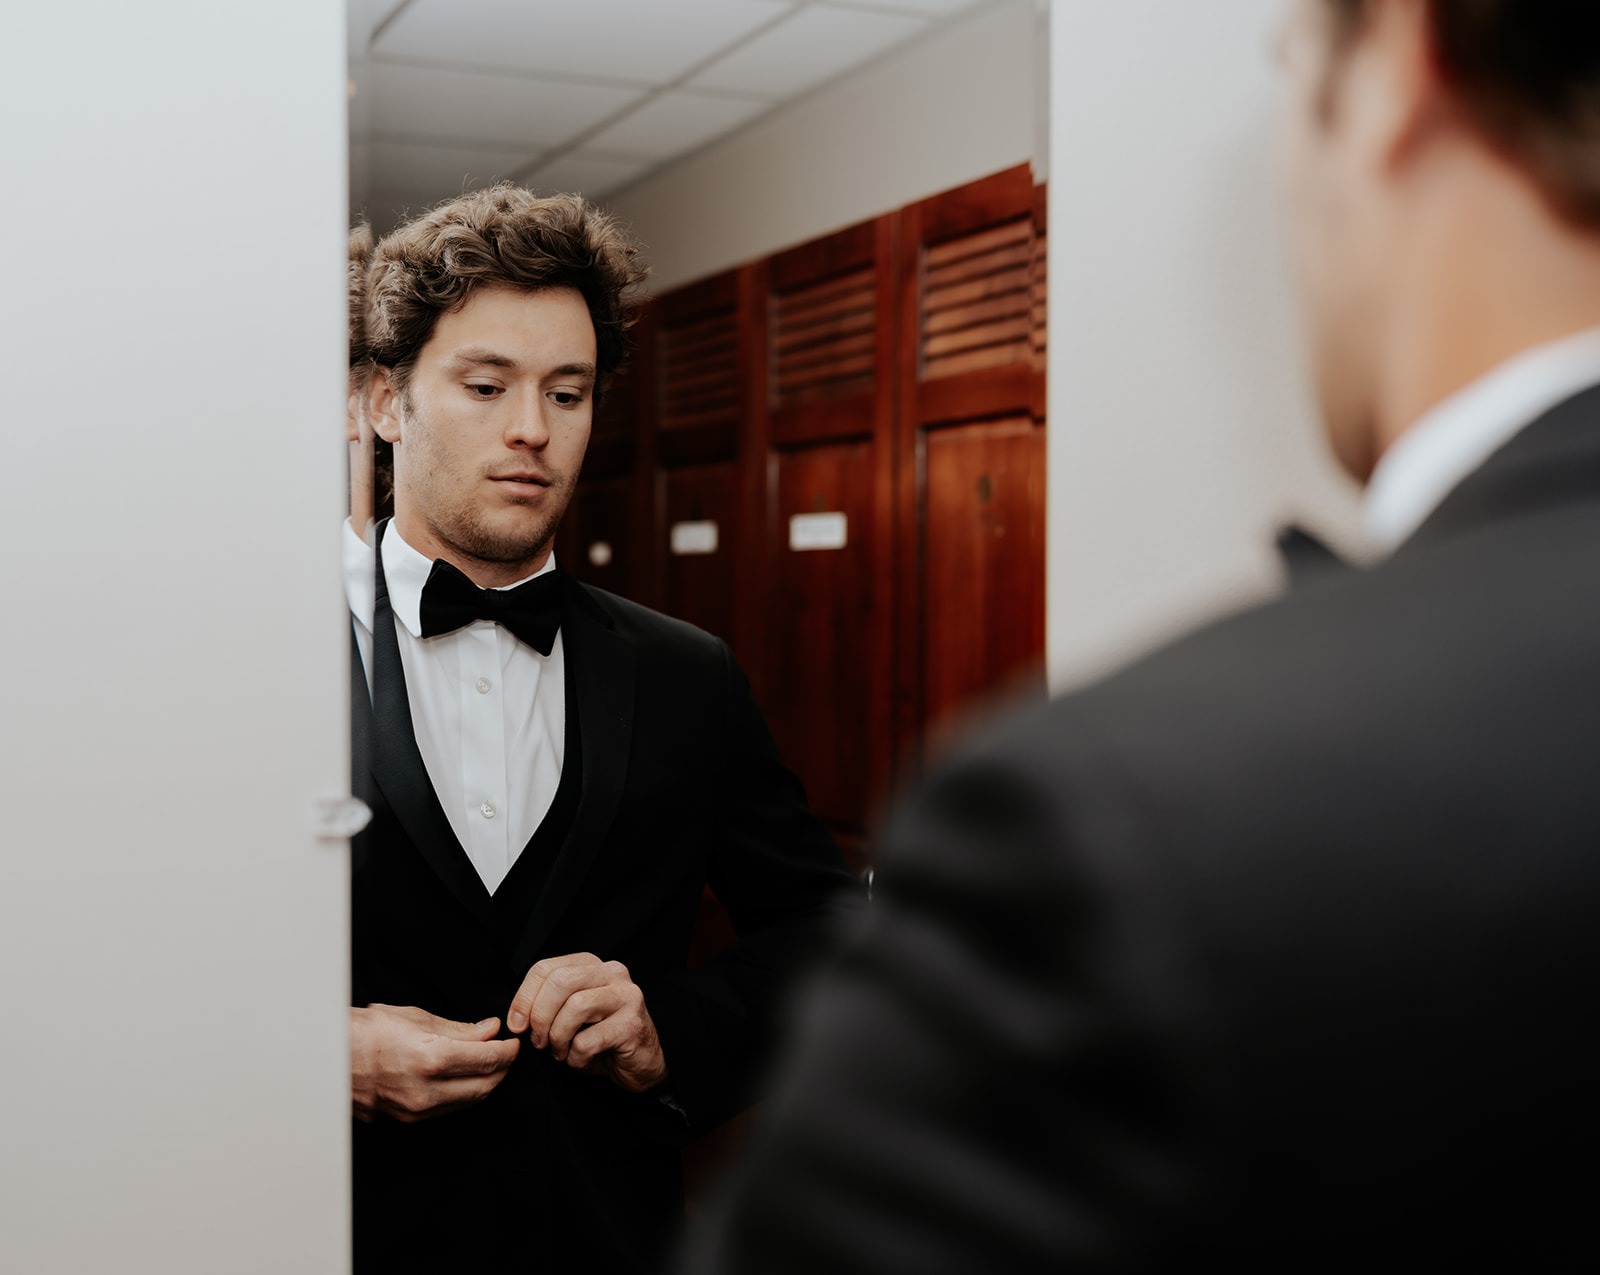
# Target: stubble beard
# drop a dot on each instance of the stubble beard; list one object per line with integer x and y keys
{"x": 442, "y": 493}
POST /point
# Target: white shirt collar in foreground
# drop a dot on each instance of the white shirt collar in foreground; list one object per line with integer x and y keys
{"x": 1456, "y": 436}
{"x": 406, "y": 571}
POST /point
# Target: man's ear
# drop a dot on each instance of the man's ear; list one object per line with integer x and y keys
{"x": 383, "y": 405}
{"x": 1406, "y": 81}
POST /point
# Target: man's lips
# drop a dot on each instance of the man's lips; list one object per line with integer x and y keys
{"x": 521, "y": 480}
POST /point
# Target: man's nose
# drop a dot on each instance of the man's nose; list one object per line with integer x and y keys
{"x": 528, "y": 425}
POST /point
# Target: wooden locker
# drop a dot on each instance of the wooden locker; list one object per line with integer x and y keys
{"x": 605, "y": 538}
{"x": 970, "y": 502}
{"x": 831, "y": 386}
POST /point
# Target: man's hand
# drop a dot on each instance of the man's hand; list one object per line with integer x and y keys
{"x": 410, "y": 1064}
{"x": 589, "y": 1014}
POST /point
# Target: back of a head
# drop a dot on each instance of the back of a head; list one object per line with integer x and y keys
{"x": 1527, "y": 73}
{"x": 502, "y": 236}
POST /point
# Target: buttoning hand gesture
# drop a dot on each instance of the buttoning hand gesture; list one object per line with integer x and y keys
{"x": 590, "y": 1015}
{"x": 410, "y": 1064}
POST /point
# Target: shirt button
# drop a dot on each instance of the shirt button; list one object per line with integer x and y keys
{"x": 483, "y": 684}
{"x": 488, "y": 810}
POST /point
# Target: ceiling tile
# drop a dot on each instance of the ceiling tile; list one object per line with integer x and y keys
{"x": 530, "y": 113}
{"x": 446, "y": 169}
{"x": 584, "y": 174}
{"x": 676, "y": 122}
{"x": 386, "y": 209}
{"x": 811, "y": 47}
{"x": 648, "y": 41}
{"x": 361, "y": 19}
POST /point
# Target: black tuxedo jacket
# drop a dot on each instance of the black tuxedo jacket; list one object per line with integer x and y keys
{"x": 1278, "y": 951}
{"x": 671, "y": 781}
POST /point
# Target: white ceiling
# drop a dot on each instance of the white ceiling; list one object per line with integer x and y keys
{"x": 584, "y": 95}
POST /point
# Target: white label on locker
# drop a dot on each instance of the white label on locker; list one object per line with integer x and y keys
{"x": 817, "y": 531}
{"x": 694, "y": 537}
{"x": 600, "y": 553}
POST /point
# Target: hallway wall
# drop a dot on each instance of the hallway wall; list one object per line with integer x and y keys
{"x": 173, "y": 934}
{"x": 949, "y": 109}
{"x": 1181, "y": 431}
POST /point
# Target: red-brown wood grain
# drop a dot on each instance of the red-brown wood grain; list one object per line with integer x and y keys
{"x": 969, "y": 495}
{"x": 701, "y": 587}
{"x": 822, "y": 611}
{"x": 983, "y": 550}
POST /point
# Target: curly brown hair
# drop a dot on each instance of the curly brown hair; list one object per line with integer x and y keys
{"x": 500, "y": 236}
{"x": 1527, "y": 72}
{"x": 356, "y": 285}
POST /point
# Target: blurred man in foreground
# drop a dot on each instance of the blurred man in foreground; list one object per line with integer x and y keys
{"x": 1281, "y": 949}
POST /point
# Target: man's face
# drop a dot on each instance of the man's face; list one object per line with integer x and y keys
{"x": 1329, "y": 189}
{"x": 493, "y": 426}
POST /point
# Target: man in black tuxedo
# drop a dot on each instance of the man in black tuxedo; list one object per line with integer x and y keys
{"x": 556, "y": 774}
{"x": 1280, "y": 950}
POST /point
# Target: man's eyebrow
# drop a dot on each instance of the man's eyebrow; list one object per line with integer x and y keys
{"x": 482, "y": 355}
{"x": 583, "y": 370}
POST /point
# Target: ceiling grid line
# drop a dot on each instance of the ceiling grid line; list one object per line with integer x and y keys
{"x": 590, "y": 98}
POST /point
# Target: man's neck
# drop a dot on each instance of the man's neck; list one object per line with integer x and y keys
{"x": 1488, "y": 273}
{"x": 415, "y": 531}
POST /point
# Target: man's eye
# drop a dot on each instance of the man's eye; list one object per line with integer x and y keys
{"x": 483, "y": 391}
{"x": 565, "y": 398}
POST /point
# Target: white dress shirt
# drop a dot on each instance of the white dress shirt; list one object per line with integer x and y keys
{"x": 1455, "y": 437}
{"x": 488, "y": 710}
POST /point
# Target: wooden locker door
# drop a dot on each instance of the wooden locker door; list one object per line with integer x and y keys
{"x": 831, "y": 309}
{"x": 604, "y": 539}
{"x": 699, "y": 582}
{"x": 971, "y": 452}
{"x": 700, "y": 347}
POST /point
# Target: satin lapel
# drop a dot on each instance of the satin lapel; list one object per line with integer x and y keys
{"x": 604, "y": 669}
{"x": 400, "y": 774}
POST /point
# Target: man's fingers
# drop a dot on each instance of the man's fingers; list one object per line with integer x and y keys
{"x": 472, "y": 1058}
{"x": 599, "y": 1039}
{"x": 487, "y": 1029}
{"x": 521, "y": 1011}
{"x": 587, "y": 1006}
{"x": 440, "y": 1097}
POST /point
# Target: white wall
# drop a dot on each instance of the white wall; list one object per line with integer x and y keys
{"x": 172, "y": 936}
{"x": 955, "y": 106}
{"x": 1181, "y": 433}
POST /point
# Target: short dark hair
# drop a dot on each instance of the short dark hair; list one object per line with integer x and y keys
{"x": 1527, "y": 72}
{"x": 500, "y": 236}
{"x": 356, "y": 285}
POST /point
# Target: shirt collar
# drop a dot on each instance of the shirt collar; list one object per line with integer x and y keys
{"x": 406, "y": 571}
{"x": 1456, "y": 436}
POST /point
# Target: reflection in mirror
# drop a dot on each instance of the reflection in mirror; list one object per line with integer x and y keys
{"x": 824, "y": 450}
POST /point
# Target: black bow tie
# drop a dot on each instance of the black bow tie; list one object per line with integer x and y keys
{"x": 532, "y": 610}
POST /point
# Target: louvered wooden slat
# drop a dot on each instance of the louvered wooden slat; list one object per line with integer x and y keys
{"x": 1013, "y": 232}
{"x": 947, "y": 318}
{"x": 1014, "y": 255}
{"x": 842, "y": 346}
{"x": 825, "y": 325}
{"x": 824, "y": 338}
{"x": 1039, "y": 308}
{"x": 976, "y": 360}
{"x": 1016, "y": 327}
{"x": 1014, "y": 280}
{"x": 698, "y": 372}
{"x": 978, "y": 300}
{"x": 837, "y": 369}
